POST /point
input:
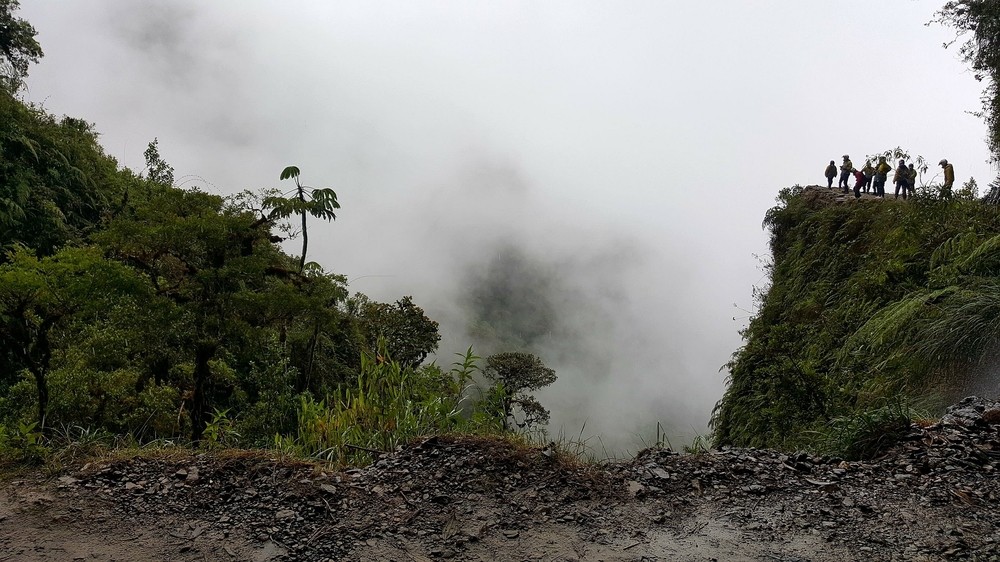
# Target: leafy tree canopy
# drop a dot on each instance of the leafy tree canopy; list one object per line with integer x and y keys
{"x": 18, "y": 47}
{"x": 410, "y": 336}
{"x": 515, "y": 375}
{"x": 977, "y": 23}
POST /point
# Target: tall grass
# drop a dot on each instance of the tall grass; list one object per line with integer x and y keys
{"x": 865, "y": 434}
{"x": 388, "y": 406}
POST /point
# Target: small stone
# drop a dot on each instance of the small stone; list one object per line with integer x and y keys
{"x": 67, "y": 481}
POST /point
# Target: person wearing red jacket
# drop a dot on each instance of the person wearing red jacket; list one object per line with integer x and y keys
{"x": 859, "y": 181}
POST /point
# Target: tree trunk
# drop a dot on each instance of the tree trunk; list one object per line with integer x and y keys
{"x": 199, "y": 402}
{"x": 43, "y": 396}
{"x": 305, "y": 233}
{"x": 38, "y": 364}
{"x": 305, "y": 372}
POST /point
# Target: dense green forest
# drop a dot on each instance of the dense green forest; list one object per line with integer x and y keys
{"x": 133, "y": 308}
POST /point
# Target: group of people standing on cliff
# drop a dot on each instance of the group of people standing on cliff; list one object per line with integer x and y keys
{"x": 872, "y": 179}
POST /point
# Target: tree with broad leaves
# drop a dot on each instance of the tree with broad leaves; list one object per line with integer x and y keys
{"x": 321, "y": 204}
{"x": 40, "y": 298}
{"x": 213, "y": 262}
{"x": 18, "y": 47}
{"x": 409, "y": 335}
{"x": 157, "y": 169}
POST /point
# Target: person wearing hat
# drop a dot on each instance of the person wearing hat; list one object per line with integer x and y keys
{"x": 846, "y": 169}
{"x": 869, "y": 172}
{"x": 949, "y": 176}
{"x": 831, "y": 172}
{"x": 881, "y": 174}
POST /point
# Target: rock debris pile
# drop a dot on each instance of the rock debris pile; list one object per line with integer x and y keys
{"x": 933, "y": 496}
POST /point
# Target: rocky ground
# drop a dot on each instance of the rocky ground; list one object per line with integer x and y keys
{"x": 838, "y": 195}
{"x": 933, "y": 497}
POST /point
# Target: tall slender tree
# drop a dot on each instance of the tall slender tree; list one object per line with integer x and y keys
{"x": 321, "y": 204}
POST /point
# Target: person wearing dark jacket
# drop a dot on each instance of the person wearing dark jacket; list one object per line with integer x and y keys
{"x": 831, "y": 172}
{"x": 901, "y": 178}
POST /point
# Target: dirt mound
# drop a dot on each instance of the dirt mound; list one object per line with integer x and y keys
{"x": 933, "y": 497}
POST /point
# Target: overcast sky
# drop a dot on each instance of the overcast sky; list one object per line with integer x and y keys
{"x": 626, "y": 151}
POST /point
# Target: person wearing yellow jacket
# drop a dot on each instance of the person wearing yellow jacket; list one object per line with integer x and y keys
{"x": 881, "y": 174}
{"x": 869, "y": 172}
{"x": 949, "y": 176}
{"x": 911, "y": 180}
{"x": 845, "y": 173}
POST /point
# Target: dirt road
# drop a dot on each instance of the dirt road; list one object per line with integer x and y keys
{"x": 933, "y": 497}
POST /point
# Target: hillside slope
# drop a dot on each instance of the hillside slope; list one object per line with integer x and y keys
{"x": 875, "y": 309}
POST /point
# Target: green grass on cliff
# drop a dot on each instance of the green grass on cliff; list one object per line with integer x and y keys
{"x": 873, "y": 307}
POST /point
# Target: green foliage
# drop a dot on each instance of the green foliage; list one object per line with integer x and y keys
{"x": 409, "y": 335}
{"x": 42, "y": 301}
{"x": 220, "y": 431}
{"x": 18, "y": 47}
{"x": 510, "y": 300}
{"x": 56, "y": 184}
{"x": 157, "y": 170}
{"x": 515, "y": 374}
{"x": 867, "y": 303}
{"x": 978, "y": 21}
{"x": 133, "y": 310}
{"x": 23, "y": 443}
{"x": 894, "y": 155}
{"x": 390, "y": 405}
{"x": 867, "y": 433}
{"x": 321, "y": 204}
